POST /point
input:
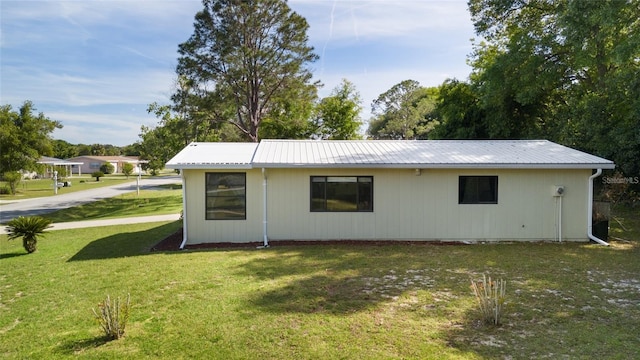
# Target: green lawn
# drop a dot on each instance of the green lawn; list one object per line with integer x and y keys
{"x": 166, "y": 199}
{"x": 318, "y": 302}
{"x": 44, "y": 187}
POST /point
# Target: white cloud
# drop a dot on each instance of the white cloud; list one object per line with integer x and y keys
{"x": 138, "y": 87}
{"x": 400, "y": 20}
{"x": 99, "y": 128}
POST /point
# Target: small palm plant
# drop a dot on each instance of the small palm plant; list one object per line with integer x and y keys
{"x": 491, "y": 298}
{"x": 29, "y": 229}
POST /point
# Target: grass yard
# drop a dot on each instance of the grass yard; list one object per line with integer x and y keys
{"x": 167, "y": 199}
{"x": 44, "y": 187}
{"x": 318, "y": 302}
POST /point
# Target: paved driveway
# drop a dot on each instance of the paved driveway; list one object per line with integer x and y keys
{"x": 43, "y": 205}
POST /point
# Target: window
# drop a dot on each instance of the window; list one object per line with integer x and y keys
{"x": 341, "y": 193}
{"x": 478, "y": 190}
{"x": 226, "y": 196}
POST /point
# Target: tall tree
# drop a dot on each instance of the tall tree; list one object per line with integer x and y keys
{"x": 24, "y": 137}
{"x": 462, "y": 116}
{"x": 406, "y": 111}
{"x": 566, "y": 70}
{"x": 243, "y": 57}
{"x": 337, "y": 116}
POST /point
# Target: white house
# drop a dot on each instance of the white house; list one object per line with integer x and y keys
{"x": 432, "y": 190}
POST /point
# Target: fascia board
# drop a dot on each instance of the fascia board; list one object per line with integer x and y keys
{"x": 435, "y": 166}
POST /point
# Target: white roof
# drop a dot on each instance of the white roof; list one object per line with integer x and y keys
{"x": 46, "y": 160}
{"x": 516, "y": 154}
{"x": 218, "y": 155}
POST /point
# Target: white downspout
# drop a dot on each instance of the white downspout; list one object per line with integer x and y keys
{"x": 590, "y": 210}
{"x": 560, "y": 220}
{"x": 264, "y": 210}
{"x": 184, "y": 210}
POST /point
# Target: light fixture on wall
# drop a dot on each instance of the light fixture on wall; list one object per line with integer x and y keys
{"x": 418, "y": 172}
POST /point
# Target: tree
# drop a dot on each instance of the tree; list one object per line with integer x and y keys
{"x": 160, "y": 143}
{"x": 24, "y": 137}
{"x": 13, "y": 179}
{"x": 406, "y": 111}
{"x": 290, "y": 114}
{"x": 244, "y": 57}
{"x": 338, "y": 114}
{"x": 64, "y": 150}
{"x": 127, "y": 169}
{"x": 107, "y": 168}
{"x": 29, "y": 229}
{"x": 566, "y": 70}
{"x": 462, "y": 116}
{"x": 97, "y": 175}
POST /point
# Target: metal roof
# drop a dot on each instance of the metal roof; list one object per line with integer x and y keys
{"x": 217, "y": 155}
{"x": 516, "y": 154}
{"x": 424, "y": 154}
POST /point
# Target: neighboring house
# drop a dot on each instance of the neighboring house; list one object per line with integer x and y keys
{"x": 440, "y": 190}
{"x": 93, "y": 163}
{"x": 52, "y": 162}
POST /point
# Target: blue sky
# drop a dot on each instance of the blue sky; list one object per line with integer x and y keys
{"x": 96, "y": 65}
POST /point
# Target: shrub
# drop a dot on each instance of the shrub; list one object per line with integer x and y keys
{"x": 107, "y": 168}
{"x": 97, "y": 175}
{"x": 491, "y": 298}
{"x": 127, "y": 169}
{"x": 113, "y": 316}
{"x": 13, "y": 179}
{"x": 29, "y": 229}
{"x": 5, "y": 190}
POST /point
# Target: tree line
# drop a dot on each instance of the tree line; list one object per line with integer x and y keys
{"x": 563, "y": 70}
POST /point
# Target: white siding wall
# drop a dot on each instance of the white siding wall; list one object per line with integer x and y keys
{"x": 200, "y": 230}
{"x": 406, "y": 207}
{"x": 425, "y": 207}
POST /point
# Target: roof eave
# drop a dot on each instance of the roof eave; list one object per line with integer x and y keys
{"x": 209, "y": 166}
{"x": 605, "y": 166}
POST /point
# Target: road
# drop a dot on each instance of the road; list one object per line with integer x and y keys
{"x": 43, "y": 205}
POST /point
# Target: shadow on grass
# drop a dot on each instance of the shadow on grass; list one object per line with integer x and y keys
{"x": 74, "y": 347}
{"x": 11, "y": 255}
{"x": 125, "y": 244}
{"x": 341, "y": 279}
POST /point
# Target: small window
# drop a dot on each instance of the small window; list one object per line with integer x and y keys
{"x": 478, "y": 190}
{"x": 226, "y": 196}
{"x": 341, "y": 193}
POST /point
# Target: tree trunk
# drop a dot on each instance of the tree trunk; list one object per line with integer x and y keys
{"x": 29, "y": 244}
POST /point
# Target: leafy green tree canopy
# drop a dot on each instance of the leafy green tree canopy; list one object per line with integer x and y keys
{"x": 406, "y": 111}
{"x": 127, "y": 169}
{"x": 566, "y": 70}
{"x": 24, "y": 137}
{"x": 244, "y": 57}
{"x": 338, "y": 114}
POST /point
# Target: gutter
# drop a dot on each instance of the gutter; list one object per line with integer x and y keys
{"x": 184, "y": 210}
{"x": 590, "y": 210}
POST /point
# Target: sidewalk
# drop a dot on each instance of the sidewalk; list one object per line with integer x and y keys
{"x": 107, "y": 222}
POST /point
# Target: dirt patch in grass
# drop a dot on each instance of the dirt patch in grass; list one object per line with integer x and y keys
{"x": 173, "y": 241}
